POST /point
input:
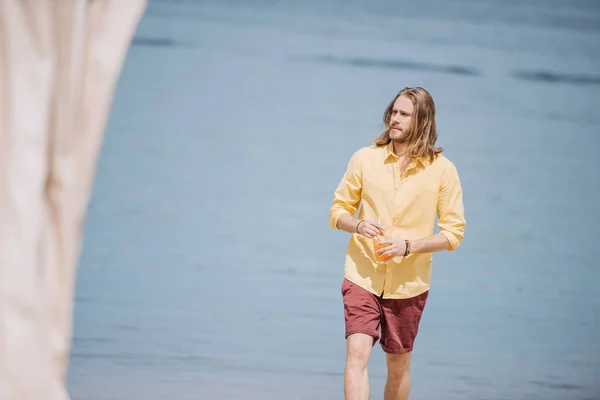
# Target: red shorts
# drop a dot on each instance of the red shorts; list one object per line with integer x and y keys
{"x": 396, "y": 319}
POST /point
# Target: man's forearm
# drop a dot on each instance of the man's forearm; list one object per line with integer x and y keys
{"x": 437, "y": 242}
{"x": 347, "y": 223}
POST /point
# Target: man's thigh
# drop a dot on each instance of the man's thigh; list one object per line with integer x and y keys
{"x": 400, "y": 323}
{"x": 362, "y": 312}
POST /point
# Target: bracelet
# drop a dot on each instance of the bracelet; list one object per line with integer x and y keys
{"x": 358, "y": 225}
{"x": 407, "y": 251}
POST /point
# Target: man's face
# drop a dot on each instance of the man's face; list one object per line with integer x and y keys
{"x": 401, "y": 119}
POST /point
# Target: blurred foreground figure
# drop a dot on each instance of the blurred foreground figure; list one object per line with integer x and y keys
{"x": 59, "y": 63}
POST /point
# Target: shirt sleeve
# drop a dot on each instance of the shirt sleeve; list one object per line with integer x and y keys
{"x": 347, "y": 196}
{"x": 451, "y": 219}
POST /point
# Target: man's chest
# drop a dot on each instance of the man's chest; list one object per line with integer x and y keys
{"x": 388, "y": 184}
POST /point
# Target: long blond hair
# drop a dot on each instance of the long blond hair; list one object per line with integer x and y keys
{"x": 423, "y": 132}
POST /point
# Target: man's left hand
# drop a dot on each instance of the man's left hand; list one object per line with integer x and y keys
{"x": 393, "y": 248}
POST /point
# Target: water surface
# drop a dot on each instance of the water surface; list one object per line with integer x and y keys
{"x": 209, "y": 270}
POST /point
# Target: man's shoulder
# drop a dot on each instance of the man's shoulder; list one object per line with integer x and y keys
{"x": 443, "y": 162}
{"x": 442, "y": 165}
{"x": 368, "y": 151}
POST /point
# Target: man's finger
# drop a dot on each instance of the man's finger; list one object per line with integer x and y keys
{"x": 387, "y": 254}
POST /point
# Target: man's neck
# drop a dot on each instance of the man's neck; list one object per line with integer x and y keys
{"x": 399, "y": 148}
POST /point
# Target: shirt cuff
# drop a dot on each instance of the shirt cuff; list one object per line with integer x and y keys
{"x": 335, "y": 216}
{"x": 452, "y": 239}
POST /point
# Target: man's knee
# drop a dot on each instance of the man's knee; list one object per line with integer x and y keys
{"x": 359, "y": 348}
{"x": 398, "y": 365}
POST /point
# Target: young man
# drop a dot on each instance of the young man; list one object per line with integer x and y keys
{"x": 401, "y": 183}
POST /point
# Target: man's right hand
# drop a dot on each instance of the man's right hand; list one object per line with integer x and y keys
{"x": 369, "y": 229}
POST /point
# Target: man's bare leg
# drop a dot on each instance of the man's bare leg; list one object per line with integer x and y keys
{"x": 398, "y": 381}
{"x": 356, "y": 379}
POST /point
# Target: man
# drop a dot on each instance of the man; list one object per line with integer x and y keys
{"x": 401, "y": 183}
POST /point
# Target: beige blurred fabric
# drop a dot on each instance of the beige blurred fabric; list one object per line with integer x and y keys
{"x": 59, "y": 64}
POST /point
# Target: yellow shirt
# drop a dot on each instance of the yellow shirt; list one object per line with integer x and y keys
{"x": 407, "y": 206}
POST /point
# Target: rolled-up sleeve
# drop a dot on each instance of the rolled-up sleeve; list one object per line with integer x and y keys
{"x": 347, "y": 196}
{"x": 451, "y": 218}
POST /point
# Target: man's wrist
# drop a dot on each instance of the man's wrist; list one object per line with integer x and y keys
{"x": 358, "y": 226}
{"x": 415, "y": 246}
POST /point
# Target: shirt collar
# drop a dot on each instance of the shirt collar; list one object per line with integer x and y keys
{"x": 389, "y": 154}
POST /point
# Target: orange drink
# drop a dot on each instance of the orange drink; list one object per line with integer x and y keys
{"x": 377, "y": 246}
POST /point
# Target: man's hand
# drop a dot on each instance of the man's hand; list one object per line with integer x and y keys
{"x": 369, "y": 229}
{"x": 393, "y": 248}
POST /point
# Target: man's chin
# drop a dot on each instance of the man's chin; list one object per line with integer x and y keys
{"x": 397, "y": 136}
